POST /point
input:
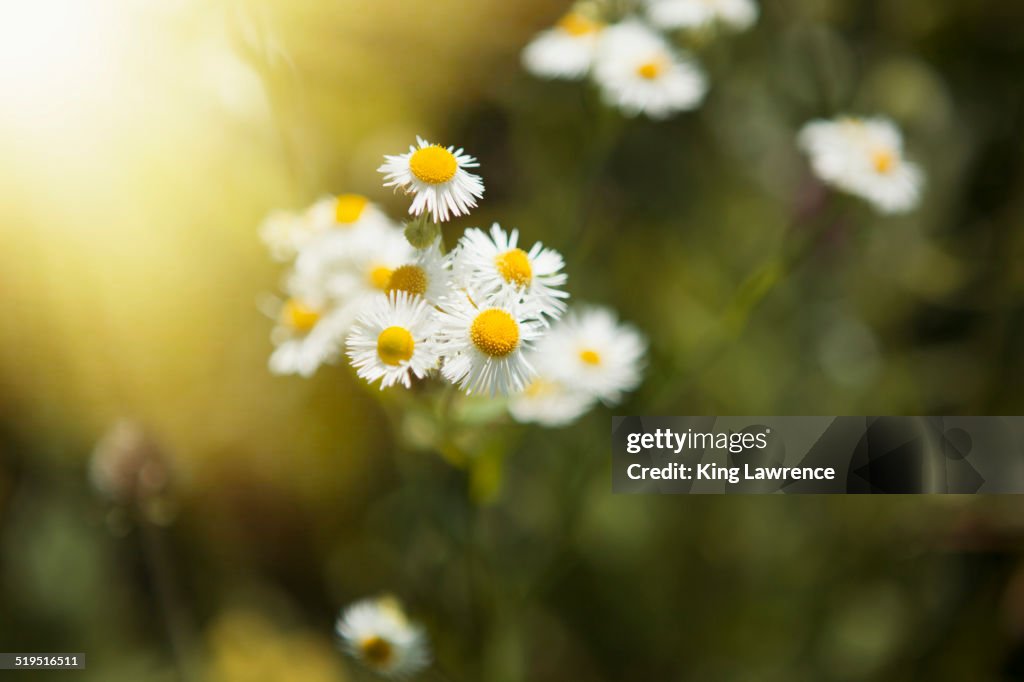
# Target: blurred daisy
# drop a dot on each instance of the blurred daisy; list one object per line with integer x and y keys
{"x": 306, "y": 337}
{"x": 640, "y": 73}
{"x": 428, "y": 275}
{"x": 484, "y": 343}
{"x": 549, "y": 403}
{"x": 285, "y": 232}
{"x": 343, "y": 267}
{"x": 591, "y": 352}
{"x": 496, "y": 265}
{"x": 864, "y": 157}
{"x": 565, "y": 51}
{"x": 378, "y": 633}
{"x": 438, "y": 178}
{"x": 393, "y": 338}
{"x": 282, "y": 231}
{"x": 670, "y": 14}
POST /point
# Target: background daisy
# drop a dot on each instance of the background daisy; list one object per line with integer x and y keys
{"x": 640, "y": 73}
{"x": 566, "y": 50}
{"x": 548, "y": 402}
{"x": 671, "y": 14}
{"x": 378, "y": 634}
{"x": 864, "y": 157}
{"x": 307, "y": 337}
{"x": 590, "y": 351}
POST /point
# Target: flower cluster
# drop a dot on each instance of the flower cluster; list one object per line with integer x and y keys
{"x": 490, "y": 316}
{"x": 634, "y": 63}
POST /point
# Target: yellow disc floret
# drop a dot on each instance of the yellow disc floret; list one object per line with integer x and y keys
{"x": 590, "y": 357}
{"x": 379, "y": 277}
{"x": 395, "y": 345}
{"x": 883, "y": 160}
{"x": 576, "y": 24}
{"x": 651, "y": 69}
{"x": 514, "y": 266}
{"x": 299, "y": 316}
{"x": 408, "y": 278}
{"x": 349, "y": 208}
{"x": 494, "y": 333}
{"x": 433, "y": 165}
{"x": 376, "y": 651}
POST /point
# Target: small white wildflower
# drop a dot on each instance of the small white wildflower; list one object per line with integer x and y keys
{"x": 378, "y": 633}
{"x": 437, "y": 178}
{"x": 864, "y": 157}
{"x": 640, "y": 73}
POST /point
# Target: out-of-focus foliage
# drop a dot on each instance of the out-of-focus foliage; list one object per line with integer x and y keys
{"x": 138, "y": 167}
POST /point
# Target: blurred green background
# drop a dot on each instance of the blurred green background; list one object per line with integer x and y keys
{"x": 144, "y": 142}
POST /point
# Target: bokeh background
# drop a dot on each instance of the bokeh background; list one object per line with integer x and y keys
{"x": 142, "y": 144}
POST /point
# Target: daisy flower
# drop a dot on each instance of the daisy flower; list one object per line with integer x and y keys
{"x": 671, "y": 14}
{"x": 496, "y": 265}
{"x": 345, "y": 267}
{"x": 640, "y": 73}
{"x": 864, "y": 157}
{"x": 591, "y": 352}
{"x": 285, "y": 232}
{"x": 438, "y": 178}
{"x": 378, "y": 634}
{"x": 548, "y": 402}
{"x": 393, "y": 338}
{"x": 306, "y": 336}
{"x": 485, "y": 343}
{"x": 428, "y": 275}
{"x": 565, "y": 51}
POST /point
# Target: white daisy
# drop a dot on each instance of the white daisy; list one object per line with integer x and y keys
{"x": 393, "y": 338}
{"x": 427, "y": 275}
{"x": 438, "y": 178}
{"x": 306, "y": 337}
{"x": 281, "y": 231}
{"x": 485, "y": 343}
{"x": 344, "y": 267}
{"x": 640, "y": 73}
{"x": 670, "y": 14}
{"x": 864, "y": 157}
{"x": 548, "y": 402}
{"x": 496, "y": 265}
{"x": 590, "y": 351}
{"x": 285, "y": 232}
{"x": 378, "y": 634}
{"x": 565, "y": 51}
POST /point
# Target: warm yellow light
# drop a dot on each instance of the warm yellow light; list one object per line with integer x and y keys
{"x": 53, "y": 50}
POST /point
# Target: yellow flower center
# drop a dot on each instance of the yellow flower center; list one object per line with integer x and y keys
{"x": 395, "y": 345}
{"x": 514, "y": 266}
{"x": 299, "y": 316}
{"x": 651, "y": 69}
{"x": 590, "y": 357}
{"x": 408, "y": 278}
{"x": 349, "y": 208}
{"x": 433, "y": 165}
{"x": 576, "y": 24}
{"x": 380, "y": 277}
{"x": 883, "y": 160}
{"x": 376, "y": 651}
{"x": 495, "y": 333}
